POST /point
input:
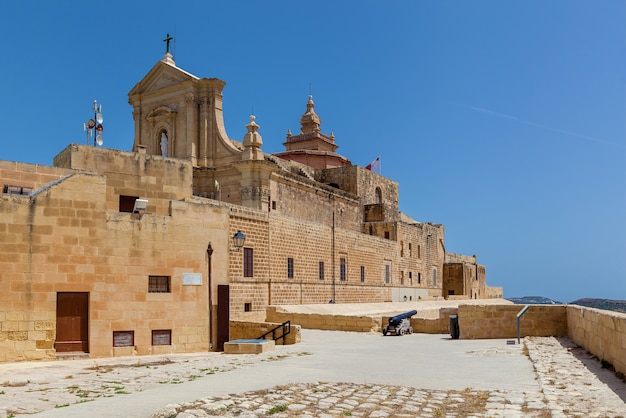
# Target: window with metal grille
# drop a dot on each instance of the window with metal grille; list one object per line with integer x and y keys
{"x": 159, "y": 284}
{"x": 248, "y": 262}
{"x": 387, "y": 273}
{"x": 342, "y": 269}
{"x": 362, "y": 274}
{"x": 321, "y": 270}
{"x": 16, "y": 189}
{"x": 162, "y": 337}
{"x": 290, "y": 268}
{"x": 123, "y": 338}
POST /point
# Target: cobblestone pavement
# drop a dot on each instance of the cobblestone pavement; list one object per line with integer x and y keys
{"x": 325, "y": 400}
{"x": 571, "y": 384}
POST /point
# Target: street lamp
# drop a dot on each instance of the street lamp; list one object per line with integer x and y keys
{"x": 93, "y": 127}
{"x": 238, "y": 240}
{"x": 209, "y": 252}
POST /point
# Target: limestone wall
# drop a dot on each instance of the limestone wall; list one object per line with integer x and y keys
{"x": 240, "y": 330}
{"x": 600, "y": 332}
{"x": 30, "y": 176}
{"x": 500, "y": 321}
{"x": 326, "y": 322}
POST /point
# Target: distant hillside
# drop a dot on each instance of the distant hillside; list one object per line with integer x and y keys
{"x": 533, "y": 300}
{"x": 606, "y": 304}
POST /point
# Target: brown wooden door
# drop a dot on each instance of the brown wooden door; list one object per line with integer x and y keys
{"x": 223, "y": 316}
{"x": 72, "y": 322}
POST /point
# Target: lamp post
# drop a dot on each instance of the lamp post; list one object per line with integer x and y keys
{"x": 209, "y": 252}
{"x": 93, "y": 127}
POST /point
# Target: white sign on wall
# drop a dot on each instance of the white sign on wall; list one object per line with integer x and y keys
{"x": 192, "y": 279}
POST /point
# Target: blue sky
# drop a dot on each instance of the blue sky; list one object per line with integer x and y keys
{"x": 505, "y": 121}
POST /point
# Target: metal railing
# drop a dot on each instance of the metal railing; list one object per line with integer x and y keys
{"x": 285, "y": 327}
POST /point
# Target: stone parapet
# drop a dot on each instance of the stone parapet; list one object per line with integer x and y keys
{"x": 326, "y": 321}
{"x": 500, "y": 321}
{"x": 600, "y": 332}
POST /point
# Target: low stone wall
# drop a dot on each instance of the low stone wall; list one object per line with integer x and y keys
{"x": 242, "y": 330}
{"x": 426, "y": 324}
{"x": 500, "y": 321}
{"x": 326, "y": 322}
{"x": 602, "y": 333}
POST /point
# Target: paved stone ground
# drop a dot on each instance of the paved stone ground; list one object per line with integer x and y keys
{"x": 572, "y": 384}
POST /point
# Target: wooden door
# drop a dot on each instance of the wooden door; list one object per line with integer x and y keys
{"x": 223, "y": 316}
{"x": 72, "y": 322}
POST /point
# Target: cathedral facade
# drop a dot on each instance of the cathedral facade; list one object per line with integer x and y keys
{"x": 151, "y": 251}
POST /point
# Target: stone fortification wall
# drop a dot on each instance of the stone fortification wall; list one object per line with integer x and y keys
{"x": 500, "y": 321}
{"x": 325, "y": 321}
{"x": 241, "y": 330}
{"x": 29, "y": 176}
{"x": 364, "y": 183}
{"x": 296, "y": 198}
{"x": 600, "y": 332}
{"x": 155, "y": 178}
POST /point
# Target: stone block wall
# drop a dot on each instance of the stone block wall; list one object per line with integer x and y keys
{"x": 600, "y": 332}
{"x": 326, "y": 322}
{"x": 500, "y": 321}
{"x": 157, "y": 179}
{"x": 240, "y": 330}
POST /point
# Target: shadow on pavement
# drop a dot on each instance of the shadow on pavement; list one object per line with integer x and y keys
{"x": 595, "y": 366}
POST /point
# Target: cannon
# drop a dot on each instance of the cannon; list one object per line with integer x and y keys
{"x": 400, "y": 324}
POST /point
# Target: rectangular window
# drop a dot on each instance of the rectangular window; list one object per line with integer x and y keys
{"x": 401, "y": 248}
{"x": 162, "y": 337}
{"x": 127, "y": 203}
{"x": 123, "y": 338}
{"x": 321, "y": 270}
{"x": 290, "y": 268}
{"x": 387, "y": 273}
{"x": 410, "y": 250}
{"x": 362, "y": 274}
{"x": 342, "y": 269}
{"x": 434, "y": 277}
{"x": 247, "y": 307}
{"x": 248, "y": 262}
{"x": 419, "y": 278}
{"x": 159, "y": 284}
{"x": 419, "y": 251}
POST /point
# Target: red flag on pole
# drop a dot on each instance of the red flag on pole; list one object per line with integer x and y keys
{"x": 374, "y": 165}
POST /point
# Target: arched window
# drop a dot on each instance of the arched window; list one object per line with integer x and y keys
{"x": 379, "y": 196}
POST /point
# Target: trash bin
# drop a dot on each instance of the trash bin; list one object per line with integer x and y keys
{"x": 454, "y": 327}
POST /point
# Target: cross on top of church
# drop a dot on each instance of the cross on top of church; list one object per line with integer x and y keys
{"x": 167, "y": 40}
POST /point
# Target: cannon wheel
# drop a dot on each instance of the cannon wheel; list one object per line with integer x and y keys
{"x": 384, "y": 330}
{"x": 410, "y": 330}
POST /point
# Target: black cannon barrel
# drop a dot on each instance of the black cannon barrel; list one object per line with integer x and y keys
{"x": 394, "y": 320}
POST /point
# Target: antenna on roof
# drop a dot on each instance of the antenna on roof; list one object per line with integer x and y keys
{"x": 310, "y": 89}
